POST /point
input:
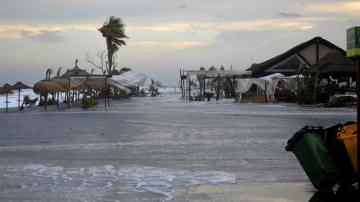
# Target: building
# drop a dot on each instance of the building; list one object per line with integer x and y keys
{"x": 289, "y": 63}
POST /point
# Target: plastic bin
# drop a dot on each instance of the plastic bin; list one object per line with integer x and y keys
{"x": 309, "y": 147}
{"x": 348, "y": 135}
{"x": 346, "y": 175}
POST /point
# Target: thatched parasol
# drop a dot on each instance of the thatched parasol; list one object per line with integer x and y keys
{"x": 6, "y": 89}
{"x": 76, "y": 71}
{"x": 48, "y": 86}
{"x": 63, "y": 82}
{"x": 18, "y": 86}
{"x": 95, "y": 83}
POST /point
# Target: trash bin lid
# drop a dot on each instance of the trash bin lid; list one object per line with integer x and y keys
{"x": 291, "y": 142}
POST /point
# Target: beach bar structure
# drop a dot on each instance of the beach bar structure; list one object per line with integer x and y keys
{"x": 289, "y": 63}
{"x": 74, "y": 82}
{"x": 204, "y": 75}
{"x": 73, "y": 85}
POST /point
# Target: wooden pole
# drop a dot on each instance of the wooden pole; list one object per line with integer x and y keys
{"x": 266, "y": 93}
{"x": 57, "y": 101}
{"x": 204, "y": 85}
{"x": 189, "y": 82}
{"x": 109, "y": 95}
{"x": 7, "y": 102}
{"x": 46, "y": 97}
{"x": 19, "y": 100}
{"x": 181, "y": 85}
{"x": 105, "y": 94}
{"x": 68, "y": 94}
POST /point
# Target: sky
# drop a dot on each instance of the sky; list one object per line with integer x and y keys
{"x": 164, "y": 35}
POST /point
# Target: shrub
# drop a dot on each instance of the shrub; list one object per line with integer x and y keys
{"x": 88, "y": 102}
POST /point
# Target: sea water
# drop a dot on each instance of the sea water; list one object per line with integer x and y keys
{"x": 144, "y": 149}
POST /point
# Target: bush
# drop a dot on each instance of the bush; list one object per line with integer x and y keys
{"x": 88, "y": 102}
{"x": 26, "y": 100}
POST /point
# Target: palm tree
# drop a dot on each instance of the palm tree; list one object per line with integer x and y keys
{"x": 114, "y": 32}
{"x": 49, "y": 71}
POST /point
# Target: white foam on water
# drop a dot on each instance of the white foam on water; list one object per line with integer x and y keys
{"x": 100, "y": 181}
{"x": 108, "y": 146}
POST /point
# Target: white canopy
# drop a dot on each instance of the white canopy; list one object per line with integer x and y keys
{"x": 131, "y": 78}
{"x": 267, "y": 84}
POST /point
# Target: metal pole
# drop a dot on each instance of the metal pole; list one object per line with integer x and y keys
{"x": 358, "y": 121}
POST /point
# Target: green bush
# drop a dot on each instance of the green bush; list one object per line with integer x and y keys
{"x": 88, "y": 102}
{"x": 26, "y": 100}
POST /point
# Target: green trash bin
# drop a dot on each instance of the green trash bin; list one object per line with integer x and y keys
{"x": 309, "y": 147}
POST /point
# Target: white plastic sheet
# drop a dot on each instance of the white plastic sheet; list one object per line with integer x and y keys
{"x": 267, "y": 83}
{"x": 118, "y": 85}
{"x": 131, "y": 78}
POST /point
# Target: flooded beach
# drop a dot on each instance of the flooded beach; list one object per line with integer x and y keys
{"x": 158, "y": 149}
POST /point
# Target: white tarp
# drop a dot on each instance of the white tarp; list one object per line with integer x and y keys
{"x": 77, "y": 81}
{"x": 118, "y": 85}
{"x": 267, "y": 83}
{"x": 131, "y": 78}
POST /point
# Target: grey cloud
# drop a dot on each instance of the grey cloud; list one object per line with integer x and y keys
{"x": 183, "y": 6}
{"x": 289, "y": 15}
{"x": 45, "y": 36}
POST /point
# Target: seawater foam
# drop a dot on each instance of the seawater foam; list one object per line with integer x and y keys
{"x": 105, "y": 183}
{"x": 107, "y": 146}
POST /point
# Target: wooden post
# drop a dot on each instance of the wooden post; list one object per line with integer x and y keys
{"x": 204, "y": 85}
{"x": 266, "y": 93}
{"x": 57, "y": 101}
{"x": 46, "y": 97}
{"x": 184, "y": 86}
{"x": 108, "y": 95}
{"x": 189, "y": 84}
{"x": 68, "y": 94}
{"x": 105, "y": 94}
{"x": 7, "y": 102}
{"x": 181, "y": 86}
{"x": 19, "y": 100}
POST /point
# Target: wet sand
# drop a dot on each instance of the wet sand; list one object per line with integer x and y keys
{"x": 259, "y": 192}
{"x": 157, "y": 149}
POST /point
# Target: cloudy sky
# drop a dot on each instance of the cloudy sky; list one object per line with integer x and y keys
{"x": 164, "y": 35}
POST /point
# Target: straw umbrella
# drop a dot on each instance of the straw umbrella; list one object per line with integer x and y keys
{"x": 6, "y": 89}
{"x": 47, "y": 86}
{"x": 19, "y": 86}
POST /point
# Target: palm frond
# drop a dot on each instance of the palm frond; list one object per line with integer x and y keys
{"x": 49, "y": 71}
{"x": 58, "y": 73}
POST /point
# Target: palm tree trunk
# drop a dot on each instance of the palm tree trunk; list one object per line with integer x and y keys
{"x": 109, "y": 49}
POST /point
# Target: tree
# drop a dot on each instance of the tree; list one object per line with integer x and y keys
{"x": 114, "y": 32}
{"x": 100, "y": 63}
